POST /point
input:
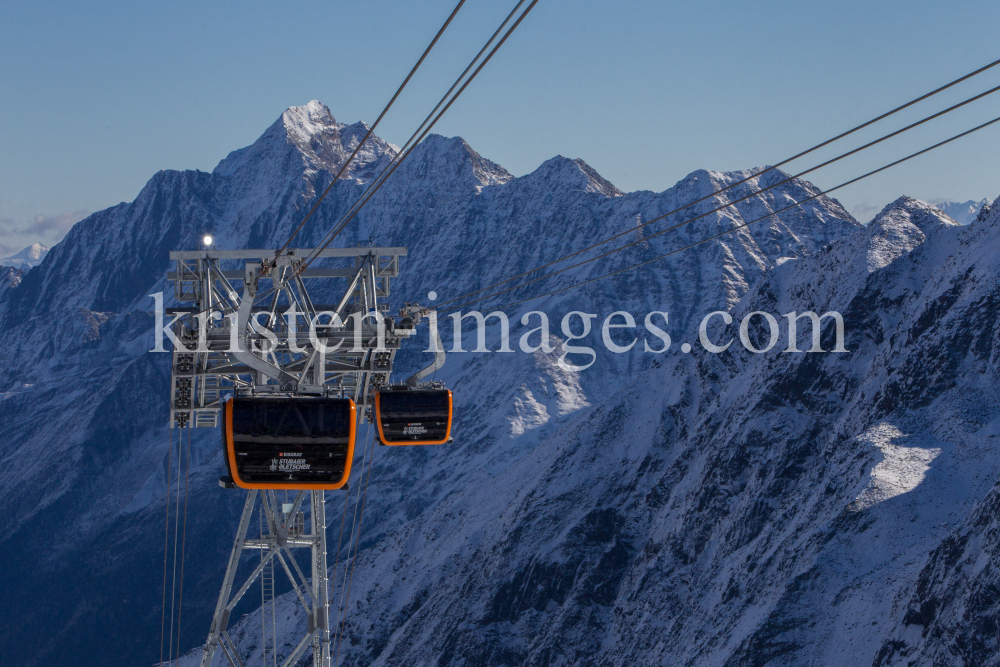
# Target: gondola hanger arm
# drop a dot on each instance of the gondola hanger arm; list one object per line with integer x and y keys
{"x": 244, "y": 353}
{"x": 434, "y": 337}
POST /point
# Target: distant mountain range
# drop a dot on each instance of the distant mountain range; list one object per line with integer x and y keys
{"x": 676, "y": 508}
{"x": 961, "y": 212}
{"x": 27, "y": 258}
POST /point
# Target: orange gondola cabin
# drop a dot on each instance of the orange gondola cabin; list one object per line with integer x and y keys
{"x": 289, "y": 443}
{"x": 413, "y": 416}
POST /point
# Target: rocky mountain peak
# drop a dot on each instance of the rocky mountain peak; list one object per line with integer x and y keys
{"x": 907, "y": 210}
{"x": 438, "y": 156}
{"x": 900, "y": 227}
{"x": 309, "y": 119}
{"x": 30, "y": 256}
{"x": 984, "y": 212}
{"x": 575, "y": 174}
{"x": 308, "y": 135}
{"x": 34, "y": 251}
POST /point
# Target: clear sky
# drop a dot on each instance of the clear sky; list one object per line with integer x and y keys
{"x": 95, "y": 97}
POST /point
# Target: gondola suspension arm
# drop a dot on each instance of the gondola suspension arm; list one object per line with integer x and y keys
{"x": 244, "y": 353}
{"x": 434, "y": 337}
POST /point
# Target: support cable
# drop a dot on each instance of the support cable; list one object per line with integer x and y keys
{"x": 710, "y": 195}
{"x": 341, "y": 608}
{"x": 418, "y": 136}
{"x": 344, "y": 167}
{"x": 422, "y": 130}
{"x": 427, "y": 125}
{"x": 735, "y": 184}
{"x": 340, "y": 541}
{"x": 173, "y": 582}
{"x": 180, "y": 598}
{"x": 710, "y": 212}
{"x": 166, "y": 543}
{"x": 746, "y": 224}
{"x": 357, "y": 545}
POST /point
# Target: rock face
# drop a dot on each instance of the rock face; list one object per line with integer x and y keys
{"x": 731, "y": 509}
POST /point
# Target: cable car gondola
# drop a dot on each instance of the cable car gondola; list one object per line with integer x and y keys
{"x": 413, "y": 416}
{"x": 289, "y": 443}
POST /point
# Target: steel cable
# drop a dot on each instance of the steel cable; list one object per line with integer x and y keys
{"x": 732, "y": 185}
{"x": 404, "y": 150}
{"x": 173, "y": 582}
{"x": 374, "y": 125}
{"x": 401, "y": 156}
{"x": 341, "y": 607}
{"x": 180, "y": 597}
{"x": 357, "y": 546}
{"x": 417, "y": 136}
{"x": 166, "y": 545}
{"x": 340, "y": 541}
{"x": 746, "y": 224}
{"x": 717, "y": 209}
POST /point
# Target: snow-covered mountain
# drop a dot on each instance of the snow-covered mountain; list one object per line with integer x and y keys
{"x": 731, "y": 509}
{"x": 961, "y": 212}
{"x": 27, "y": 258}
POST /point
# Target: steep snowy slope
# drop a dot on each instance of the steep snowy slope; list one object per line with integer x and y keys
{"x": 539, "y": 490}
{"x": 737, "y": 509}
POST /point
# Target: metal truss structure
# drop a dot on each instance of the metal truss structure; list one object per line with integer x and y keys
{"x": 254, "y": 332}
{"x": 283, "y": 529}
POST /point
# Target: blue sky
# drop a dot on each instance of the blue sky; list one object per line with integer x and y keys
{"x": 96, "y": 97}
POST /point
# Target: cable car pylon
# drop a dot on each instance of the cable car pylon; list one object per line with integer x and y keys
{"x": 287, "y": 383}
{"x": 285, "y": 531}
